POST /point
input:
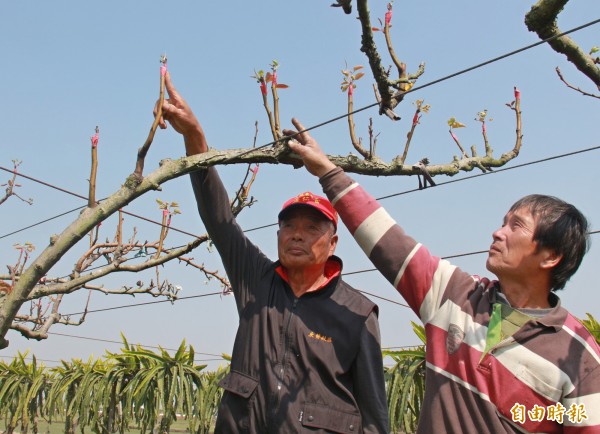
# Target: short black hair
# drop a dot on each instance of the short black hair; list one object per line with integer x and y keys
{"x": 561, "y": 228}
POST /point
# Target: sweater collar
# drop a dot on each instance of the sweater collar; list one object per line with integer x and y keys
{"x": 555, "y": 318}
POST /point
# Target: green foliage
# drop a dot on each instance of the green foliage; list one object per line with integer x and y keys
{"x": 23, "y": 390}
{"x": 405, "y": 384}
{"x": 208, "y": 397}
{"x": 75, "y": 391}
{"x": 135, "y": 387}
{"x": 593, "y": 326}
{"x": 155, "y": 386}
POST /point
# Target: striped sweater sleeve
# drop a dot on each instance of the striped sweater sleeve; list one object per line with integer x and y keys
{"x": 420, "y": 277}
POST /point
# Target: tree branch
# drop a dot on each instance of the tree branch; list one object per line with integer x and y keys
{"x": 542, "y": 18}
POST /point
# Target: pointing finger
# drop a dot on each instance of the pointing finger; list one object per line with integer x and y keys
{"x": 298, "y": 126}
{"x": 170, "y": 88}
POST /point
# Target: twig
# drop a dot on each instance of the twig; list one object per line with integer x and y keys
{"x": 573, "y": 87}
{"x": 139, "y": 167}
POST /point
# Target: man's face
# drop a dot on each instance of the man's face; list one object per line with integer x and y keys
{"x": 513, "y": 252}
{"x": 305, "y": 238}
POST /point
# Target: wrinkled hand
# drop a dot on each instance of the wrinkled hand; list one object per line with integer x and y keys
{"x": 178, "y": 113}
{"x": 308, "y": 149}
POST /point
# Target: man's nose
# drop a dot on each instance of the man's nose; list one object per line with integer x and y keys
{"x": 298, "y": 233}
{"x": 497, "y": 234}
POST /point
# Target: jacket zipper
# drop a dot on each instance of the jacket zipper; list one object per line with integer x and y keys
{"x": 283, "y": 359}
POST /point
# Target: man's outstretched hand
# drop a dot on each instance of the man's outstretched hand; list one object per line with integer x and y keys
{"x": 178, "y": 113}
{"x": 308, "y": 149}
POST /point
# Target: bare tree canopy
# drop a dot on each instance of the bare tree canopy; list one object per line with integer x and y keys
{"x": 379, "y": 76}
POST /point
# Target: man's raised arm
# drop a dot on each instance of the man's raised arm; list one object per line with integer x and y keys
{"x": 406, "y": 264}
{"x": 242, "y": 260}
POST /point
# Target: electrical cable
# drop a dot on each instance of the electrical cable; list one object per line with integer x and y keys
{"x": 142, "y": 304}
{"x": 121, "y": 342}
{"x": 466, "y": 178}
{"x": 81, "y": 207}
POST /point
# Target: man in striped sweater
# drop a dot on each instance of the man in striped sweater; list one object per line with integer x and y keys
{"x": 503, "y": 356}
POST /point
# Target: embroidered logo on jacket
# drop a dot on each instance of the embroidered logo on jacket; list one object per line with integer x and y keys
{"x": 454, "y": 339}
{"x": 319, "y": 337}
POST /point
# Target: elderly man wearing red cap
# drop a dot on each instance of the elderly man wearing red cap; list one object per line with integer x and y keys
{"x": 307, "y": 353}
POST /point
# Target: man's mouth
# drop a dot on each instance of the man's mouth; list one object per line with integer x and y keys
{"x": 494, "y": 248}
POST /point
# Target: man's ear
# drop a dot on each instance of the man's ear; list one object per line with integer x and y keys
{"x": 333, "y": 244}
{"x": 550, "y": 259}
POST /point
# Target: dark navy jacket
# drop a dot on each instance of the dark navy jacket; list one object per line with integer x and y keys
{"x": 308, "y": 364}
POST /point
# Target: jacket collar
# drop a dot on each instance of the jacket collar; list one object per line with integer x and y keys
{"x": 333, "y": 270}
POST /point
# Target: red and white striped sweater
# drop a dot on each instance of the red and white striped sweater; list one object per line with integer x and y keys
{"x": 544, "y": 378}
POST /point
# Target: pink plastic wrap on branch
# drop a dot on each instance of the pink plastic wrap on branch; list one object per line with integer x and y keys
{"x": 350, "y": 90}
{"x": 517, "y": 93}
{"x": 416, "y": 118}
{"x": 483, "y": 127}
{"x": 165, "y": 212}
{"x": 453, "y": 136}
{"x": 263, "y": 88}
{"x": 274, "y": 78}
{"x": 388, "y": 14}
{"x": 163, "y": 65}
{"x": 255, "y": 170}
{"x": 95, "y": 139}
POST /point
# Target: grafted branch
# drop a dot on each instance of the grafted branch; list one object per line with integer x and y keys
{"x": 390, "y": 91}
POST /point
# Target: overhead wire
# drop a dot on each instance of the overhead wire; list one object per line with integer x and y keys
{"x": 87, "y": 338}
{"x": 143, "y": 304}
{"x": 47, "y": 184}
{"x": 60, "y": 361}
{"x": 467, "y": 178}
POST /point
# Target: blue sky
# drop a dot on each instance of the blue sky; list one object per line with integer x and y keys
{"x": 69, "y": 66}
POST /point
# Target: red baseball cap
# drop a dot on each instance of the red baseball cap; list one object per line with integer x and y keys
{"x": 308, "y": 199}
